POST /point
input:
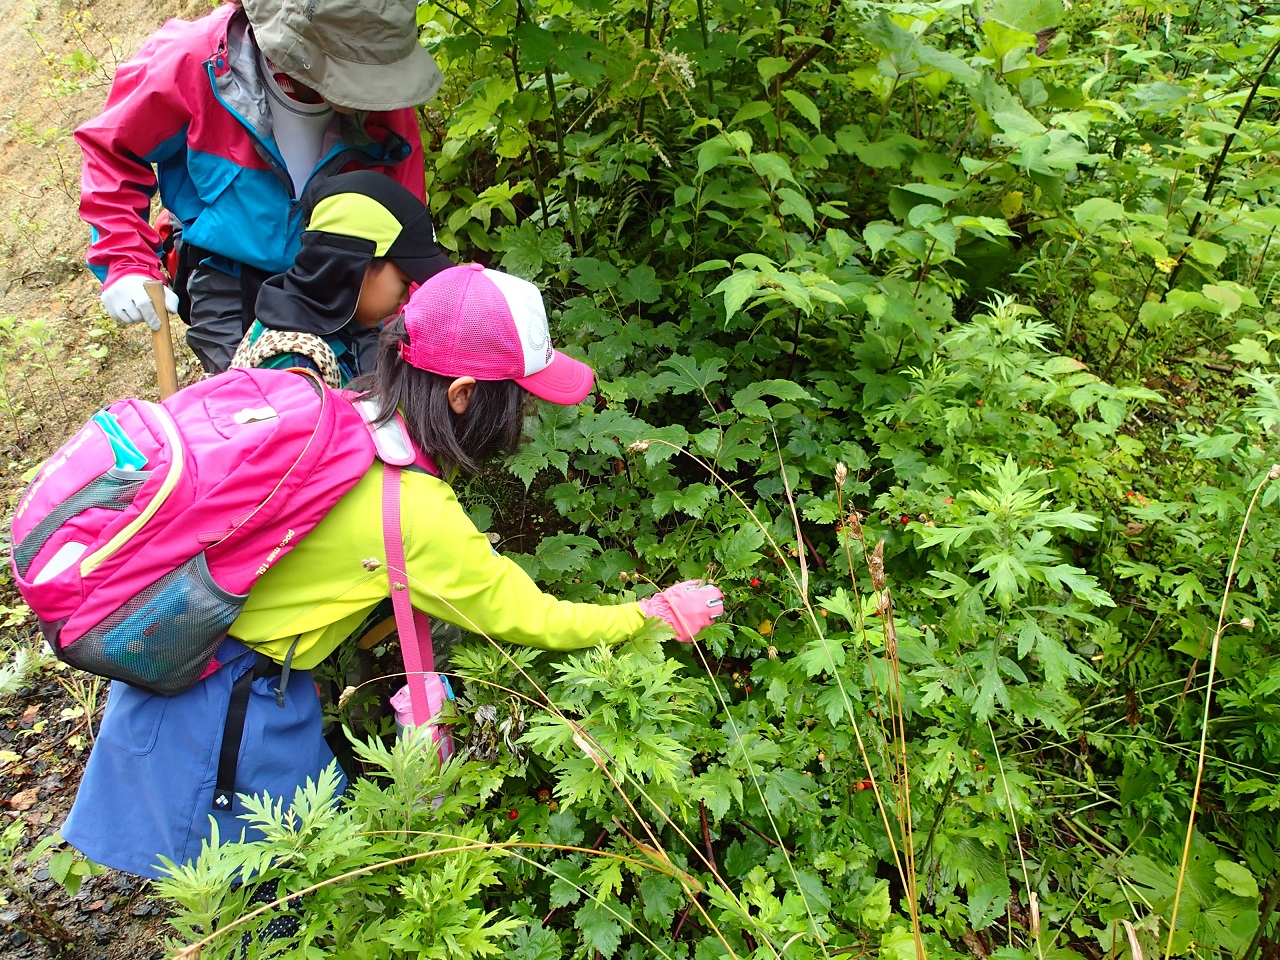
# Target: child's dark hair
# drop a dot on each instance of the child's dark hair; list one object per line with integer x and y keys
{"x": 491, "y": 425}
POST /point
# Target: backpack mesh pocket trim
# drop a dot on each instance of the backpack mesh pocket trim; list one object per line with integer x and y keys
{"x": 113, "y": 490}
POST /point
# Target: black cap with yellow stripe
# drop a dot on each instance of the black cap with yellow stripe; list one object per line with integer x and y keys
{"x": 354, "y": 218}
{"x": 365, "y": 205}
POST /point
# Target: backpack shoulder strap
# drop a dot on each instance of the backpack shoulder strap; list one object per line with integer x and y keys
{"x": 414, "y": 626}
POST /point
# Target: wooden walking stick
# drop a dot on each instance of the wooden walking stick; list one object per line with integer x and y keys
{"x": 162, "y": 343}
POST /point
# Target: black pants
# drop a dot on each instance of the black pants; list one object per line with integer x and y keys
{"x": 220, "y": 311}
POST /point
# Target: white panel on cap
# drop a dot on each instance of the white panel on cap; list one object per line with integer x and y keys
{"x": 530, "y": 315}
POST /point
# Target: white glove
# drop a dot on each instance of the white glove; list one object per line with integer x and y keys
{"x": 127, "y": 301}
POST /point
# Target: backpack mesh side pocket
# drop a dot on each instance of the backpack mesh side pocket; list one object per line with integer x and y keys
{"x": 162, "y": 639}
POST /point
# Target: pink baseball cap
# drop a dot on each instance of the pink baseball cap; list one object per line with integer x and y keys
{"x": 469, "y": 321}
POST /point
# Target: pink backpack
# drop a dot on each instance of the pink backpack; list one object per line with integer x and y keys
{"x": 138, "y": 541}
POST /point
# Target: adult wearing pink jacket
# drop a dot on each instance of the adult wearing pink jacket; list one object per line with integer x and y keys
{"x": 237, "y": 118}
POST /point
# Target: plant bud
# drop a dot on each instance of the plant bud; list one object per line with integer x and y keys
{"x": 1275, "y": 472}
{"x": 1246, "y": 622}
{"x": 842, "y": 473}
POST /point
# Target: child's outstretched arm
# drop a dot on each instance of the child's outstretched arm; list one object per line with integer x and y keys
{"x": 455, "y": 575}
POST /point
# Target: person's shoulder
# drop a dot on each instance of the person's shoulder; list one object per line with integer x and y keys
{"x": 182, "y": 41}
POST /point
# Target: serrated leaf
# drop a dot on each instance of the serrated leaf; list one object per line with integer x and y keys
{"x": 686, "y": 375}
{"x": 600, "y": 925}
{"x": 596, "y": 275}
{"x": 661, "y": 896}
{"x": 640, "y": 284}
{"x": 804, "y": 106}
{"x": 737, "y": 289}
{"x": 534, "y": 942}
{"x": 781, "y": 389}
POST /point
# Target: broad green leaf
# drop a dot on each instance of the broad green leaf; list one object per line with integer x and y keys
{"x": 877, "y": 235}
{"x": 804, "y": 106}
{"x": 1236, "y": 878}
{"x": 601, "y": 924}
{"x": 773, "y": 167}
{"x": 596, "y": 275}
{"x": 1029, "y": 16}
{"x": 770, "y": 67}
{"x": 640, "y": 284}
{"x": 737, "y": 289}
{"x": 1097, "y": 210}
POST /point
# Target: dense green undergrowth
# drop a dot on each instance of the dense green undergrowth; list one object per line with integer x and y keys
{"x": 940, "y": 335}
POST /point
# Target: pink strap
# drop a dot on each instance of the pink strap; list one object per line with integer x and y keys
{"x": 414, "y": 627}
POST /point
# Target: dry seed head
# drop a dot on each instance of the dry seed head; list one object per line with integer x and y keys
{"x": 1274, "y": 473}
{"x": 347, "y": 694}
{"x": 875, "y": 564}
{"x": 855, "y": 526}
{"x": 640, "y": 446}
{"x": 842, "y": 474}
{"x": 772, "y": 652}
{"x": 1246, "y": 622}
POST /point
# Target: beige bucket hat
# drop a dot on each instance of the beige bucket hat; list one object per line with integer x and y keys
{"x": 361, "y": 54}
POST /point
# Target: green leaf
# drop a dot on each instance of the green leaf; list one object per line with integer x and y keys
{"x": 877, "y": 235}
{"x": 804, "y": 106}
{"x": 661, "y": 896}
{"x": 1205, "y": 252}
{"x": 1097, "y": 210}
{"x": 794, "y": 202}
{"x": 781, "y": 389}
{"x": 641, "y": 283}
{"x": 773, "y": 167}
{"x": 596, "y": 275}
{"x": 1029, "y": 16}
{"x": 538, "y": 46}
{"x": 770, "y": 67}
{"x": 600, "y": 925}
{"x": 713, "y": 153}
{"x": 738, "y": 548}
{"x": 1236, "y": 878}
{"x": 528, "y": 248}
{"x": 534, "y": 942}
{"x": 737, "y": 289}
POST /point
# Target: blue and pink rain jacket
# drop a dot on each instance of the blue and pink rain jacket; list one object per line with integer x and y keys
{"x": 189, "y": 113}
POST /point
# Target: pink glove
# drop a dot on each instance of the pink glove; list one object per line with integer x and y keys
{"x": 687, "y": 607}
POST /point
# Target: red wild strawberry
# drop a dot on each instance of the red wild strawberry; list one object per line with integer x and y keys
{"x": 513, "y": 815}
{"x": 904, "y": 519}
{"x": 755, "y": 582}
{"x": 862, "y": 785}
{"x": 978, "y": 402}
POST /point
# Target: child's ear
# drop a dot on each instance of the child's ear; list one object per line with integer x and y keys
{"x": 460, "y": 392}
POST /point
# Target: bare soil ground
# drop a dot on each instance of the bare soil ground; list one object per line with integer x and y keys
{"x": 60, "y": 359}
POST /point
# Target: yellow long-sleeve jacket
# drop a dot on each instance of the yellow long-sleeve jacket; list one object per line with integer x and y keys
{"x": 321, "y": 590}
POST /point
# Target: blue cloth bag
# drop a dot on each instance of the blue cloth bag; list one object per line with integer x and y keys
{"x": 148, "y": 788}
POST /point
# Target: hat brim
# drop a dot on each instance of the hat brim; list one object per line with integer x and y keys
{"x": 422, "y": 269}
{"x": 565, "y": 381}
{"x": 408, "y": 82}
